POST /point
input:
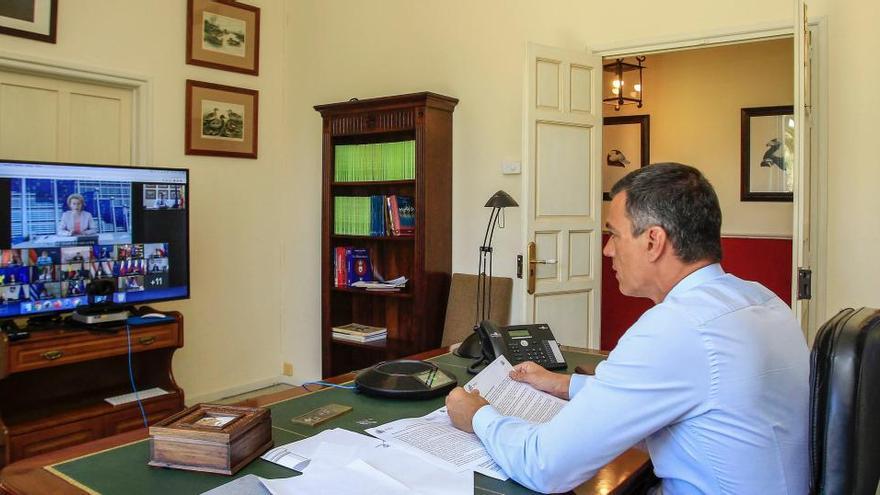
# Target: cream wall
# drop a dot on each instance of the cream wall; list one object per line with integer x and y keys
{"x": 232, "y": 322}
{"x": 243, "y": 322}
{"x": 475, "y": 51}
{"x": 694, "y": 98}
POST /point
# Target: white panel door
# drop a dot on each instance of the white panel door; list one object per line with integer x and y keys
{"x": 801, "y": 242}
{"x": 48, "y": 119}
{"x": 562, "y": 192}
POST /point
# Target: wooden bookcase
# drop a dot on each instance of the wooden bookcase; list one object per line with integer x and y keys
{"x": 53, "y": 385}
{"x": 413, "y": 316}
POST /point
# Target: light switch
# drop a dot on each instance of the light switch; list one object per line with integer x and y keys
{"x": 511, "y": 168}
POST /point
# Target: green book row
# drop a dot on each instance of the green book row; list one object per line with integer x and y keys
{"x": 352, "y": 215}
{"x": 375, "y": 161}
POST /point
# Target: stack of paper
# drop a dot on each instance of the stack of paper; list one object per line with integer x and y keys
{"x": 340, "y": 461}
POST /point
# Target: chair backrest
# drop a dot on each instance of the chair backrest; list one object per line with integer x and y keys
{"x": 845, "y": 404}
{"x": 461, "y": 309}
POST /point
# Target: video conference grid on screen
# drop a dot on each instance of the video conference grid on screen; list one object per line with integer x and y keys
{"x": 71, "y": 225}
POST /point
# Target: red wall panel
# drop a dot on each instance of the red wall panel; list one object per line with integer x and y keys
{"x": 767, "y": 261}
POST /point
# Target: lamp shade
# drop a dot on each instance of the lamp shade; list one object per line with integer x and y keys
{"x": 501, "y": 200}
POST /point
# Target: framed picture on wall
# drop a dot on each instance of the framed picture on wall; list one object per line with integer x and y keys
{"x": 766, "y": 153}
{"x": 34, "y": 19}
{"x": 625, "y": 146}
{"x": 221, "y": 120}
{"x": 223, "y": 34}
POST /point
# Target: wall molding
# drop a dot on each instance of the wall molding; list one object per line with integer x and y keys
{"x": 139, "y": 85}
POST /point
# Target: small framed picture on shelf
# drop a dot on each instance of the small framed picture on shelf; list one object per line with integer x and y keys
{"x": 626, "y": 147}
{"x": 221, "y": 120}
{"x": 767, "y": 153}
{"x": 33, "y": 19}
{"x": 223, "y": 34}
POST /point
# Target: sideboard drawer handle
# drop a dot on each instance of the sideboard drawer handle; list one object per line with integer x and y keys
{"x": 147, "y": 340}
{"x": 52, "y": 355}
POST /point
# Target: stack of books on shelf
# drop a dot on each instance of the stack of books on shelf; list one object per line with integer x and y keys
{"x": 379, "y": 286}
{"x": 356, "y": 332}
{"x": 375, "y": 162}
{"x": 374, "y": 215}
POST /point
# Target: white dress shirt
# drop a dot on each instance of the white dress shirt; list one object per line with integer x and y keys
{"x": 714, "y": 379}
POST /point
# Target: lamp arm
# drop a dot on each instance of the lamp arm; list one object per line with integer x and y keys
{"x": 490, "y": 227}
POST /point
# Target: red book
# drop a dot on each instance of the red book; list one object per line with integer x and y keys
{"x": 340, "y": 265}
{"x": 393, "y": 214}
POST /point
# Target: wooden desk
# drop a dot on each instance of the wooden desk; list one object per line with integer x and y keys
{"x": 28, "y": 476}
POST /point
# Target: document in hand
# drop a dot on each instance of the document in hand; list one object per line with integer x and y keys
{"x": 434, "y": 436}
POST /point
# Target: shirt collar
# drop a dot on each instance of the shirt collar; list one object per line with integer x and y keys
{"x": 697, "y": 277}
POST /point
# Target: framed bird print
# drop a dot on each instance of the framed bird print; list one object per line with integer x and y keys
{"x": 625, "y": 146}
{"x": 767, "y": 153}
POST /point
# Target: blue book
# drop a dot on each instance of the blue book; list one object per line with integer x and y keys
{"x": 359, "y": 267}
{"x": 407, "y": 211}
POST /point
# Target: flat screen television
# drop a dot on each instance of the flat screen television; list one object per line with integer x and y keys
{"x": 68, "y": 228}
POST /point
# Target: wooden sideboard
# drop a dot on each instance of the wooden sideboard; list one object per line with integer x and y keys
{"x": 53, "y": 384}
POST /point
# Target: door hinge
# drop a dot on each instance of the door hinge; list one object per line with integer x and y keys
{"x": 805, "y": 276}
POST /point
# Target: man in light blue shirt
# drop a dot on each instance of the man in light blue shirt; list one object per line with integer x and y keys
{"x": 714, "y": 378}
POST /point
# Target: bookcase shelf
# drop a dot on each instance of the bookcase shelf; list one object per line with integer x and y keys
{"x": 403, "y": 294}
{"x": 413, "y": 317}
{"x": 404, "y": 182}
{"x": 356, "y": 238}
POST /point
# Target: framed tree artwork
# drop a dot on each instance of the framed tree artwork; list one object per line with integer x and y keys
{"x": 767, "y": 153}
{"x": 223, "y": 34}
{"x": 34, "y": 19}
{"x": 626, "y": 147}
{"x": 221, "y": 120}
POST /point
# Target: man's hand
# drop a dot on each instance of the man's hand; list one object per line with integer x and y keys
{"x": 542, "y": 379}
{"x": 461, "y": 407}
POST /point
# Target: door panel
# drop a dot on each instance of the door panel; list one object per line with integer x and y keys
{"x": 562, "y": 200}
{"x": 49, "y": 119}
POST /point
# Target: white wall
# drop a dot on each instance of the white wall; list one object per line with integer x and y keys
{"x": 250, "y": 312}
{"x": 475, "y": 51}
{"x": 232, "y": 322}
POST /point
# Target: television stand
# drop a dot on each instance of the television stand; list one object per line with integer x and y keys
{"x": 53, "y": 384}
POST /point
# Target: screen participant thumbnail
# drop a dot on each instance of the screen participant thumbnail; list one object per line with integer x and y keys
{"x": 49, "y": 212}
{"x": 76, "y": 254}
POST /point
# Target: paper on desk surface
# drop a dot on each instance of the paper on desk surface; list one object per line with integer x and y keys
{"x": 298, "y": 455}
{"x": 343, "y": 462}
{"x": 435, "y": 438}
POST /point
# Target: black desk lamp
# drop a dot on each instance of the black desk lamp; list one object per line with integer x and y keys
{"x": 470, "y": 348}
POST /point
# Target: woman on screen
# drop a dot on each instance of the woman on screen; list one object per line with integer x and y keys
{"x": 76, "y": 221}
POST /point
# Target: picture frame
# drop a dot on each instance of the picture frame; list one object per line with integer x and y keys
{"x": 767, "y": 153}
{"x": 626, "y": 146}
{"x": 221, "y": 120}
{"x": 223, "y": 34}
{"x": 32, "y": 19}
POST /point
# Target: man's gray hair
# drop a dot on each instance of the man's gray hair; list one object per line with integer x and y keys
{"x": 679, "y": 199}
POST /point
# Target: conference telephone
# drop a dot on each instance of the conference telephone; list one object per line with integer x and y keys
{"x": 520, "y": 343}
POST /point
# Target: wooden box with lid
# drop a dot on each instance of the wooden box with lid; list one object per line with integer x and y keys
{"x": 211, "y": 438}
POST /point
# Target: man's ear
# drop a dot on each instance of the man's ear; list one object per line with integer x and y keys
{"x": 657, "y": 240}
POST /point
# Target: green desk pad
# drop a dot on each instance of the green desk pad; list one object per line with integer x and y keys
{"x": 124, "y": 469}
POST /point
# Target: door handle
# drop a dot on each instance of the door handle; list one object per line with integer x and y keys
{"x": 532, "y": 250}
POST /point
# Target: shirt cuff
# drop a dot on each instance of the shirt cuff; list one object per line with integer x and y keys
{"x": 484, "y": 416}
{"x": 576, "y": 384}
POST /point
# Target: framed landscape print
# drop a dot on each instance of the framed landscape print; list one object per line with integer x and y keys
{"x": 625, "y": 147}
{"x": 223, "y": 34}
{"x": 34, "y": 19}
{"x": 766, "y": 153}
{"x": 221, "y": 120}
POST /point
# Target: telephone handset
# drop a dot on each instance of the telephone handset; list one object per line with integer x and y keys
{"x": 520, "y": 343}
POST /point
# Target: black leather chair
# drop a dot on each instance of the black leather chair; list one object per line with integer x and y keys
{"x": 845, "y": 404}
